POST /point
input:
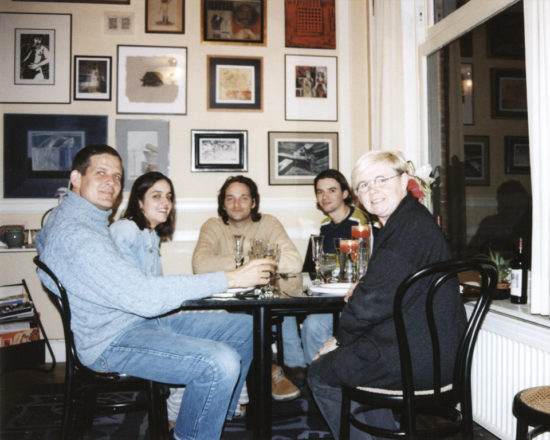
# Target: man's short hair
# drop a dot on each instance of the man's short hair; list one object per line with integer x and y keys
{"x": 340, "y": 178}
{"x": 254, "y": 194}
{"x": 81, "y": 161}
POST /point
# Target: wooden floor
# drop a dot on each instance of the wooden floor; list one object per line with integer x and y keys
{"x": 14, "y": 385}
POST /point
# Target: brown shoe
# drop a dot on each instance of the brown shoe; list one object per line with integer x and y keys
{"x": 281, "y": 387}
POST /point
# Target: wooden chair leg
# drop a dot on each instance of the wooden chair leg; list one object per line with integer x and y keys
{"x": 521, "y": 429}
{"x": 344, "y": 416}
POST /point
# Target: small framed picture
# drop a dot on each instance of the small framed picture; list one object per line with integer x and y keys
{"x": 467, "y": 83}
{"x": 234, "y": 83}
{"x": 234, "y": 22}
{"x": 165, "y": 16}
{"x": 476, "y": 160}
{"x": 213, "y": 150}
{"x": 295, "y": 158}
{"x": 311, "y": 88}
{"x": 310, "y": 24}
{"x": 118, "y": 22}
{"x": 516, "y": 155}
{"x": 508, "y": 94}
{"x": 92, "y": 78}
{"x": 152, "y": 80}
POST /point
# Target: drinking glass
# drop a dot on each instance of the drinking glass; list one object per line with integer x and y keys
{"x": 271, "y": 250}
{"x": 328, "y": 267}
{"x": 362, "y": 233}
{"x": 238, "y": 249}
{"x": 350, "y": 255}
{"x": 316, "y": 252}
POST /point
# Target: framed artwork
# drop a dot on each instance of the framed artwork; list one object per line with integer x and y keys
{"x": 310, "y": 24}
{"x": 234, "y": 21}
{"x": 152, "y": 80}
{"x": 311, "y": 88}
{"x": 213, "y": 150}
{"x": 165, "y": 16}
{"x": 143, "y": 145}
{"x": 295, "y": 158}
{"x": 476, "y": 160}
{"x": 36, "y": 58}
{"x": 118, "y": 23}
{"x": 467, "y": 84}
{"x": 39, "y": 150}
{"x": 508, "y": 94}
{"x": 516, "y": 155}
{"x": 117, "y": 2}
{"x": 505, "y": 35}
{"x": 92, "y": 78}
{"x": 234, "y": 83}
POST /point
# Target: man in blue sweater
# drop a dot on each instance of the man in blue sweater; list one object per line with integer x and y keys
{"x": 114, "y": 304}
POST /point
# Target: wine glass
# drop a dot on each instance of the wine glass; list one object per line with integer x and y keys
{"x": 271, "y": 250}
{"x": 238, "y": 249}
{"x": 316, "y": 252}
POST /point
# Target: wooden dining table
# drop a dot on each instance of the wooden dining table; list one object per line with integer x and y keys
{"x": 291, "y": 299}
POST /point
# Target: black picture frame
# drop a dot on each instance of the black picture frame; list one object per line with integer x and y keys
{"x": 226, "y": 93}
{"x": 63, "y": 135}
{"x": 234, "y": 22}
{"x": 508, "y": 94}
{"x": 516, "y": 155}
{"x": 92, "y": 78}
{"x": 476, "y": 161}
{"x": 219, "y": 150}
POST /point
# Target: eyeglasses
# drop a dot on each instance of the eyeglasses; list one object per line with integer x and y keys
{"x": 379, "y": 182}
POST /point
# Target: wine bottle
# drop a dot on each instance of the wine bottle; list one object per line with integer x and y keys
{"x": 518, "y": 288}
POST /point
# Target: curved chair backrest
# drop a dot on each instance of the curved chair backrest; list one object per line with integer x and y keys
{"x": 438, "y": 274}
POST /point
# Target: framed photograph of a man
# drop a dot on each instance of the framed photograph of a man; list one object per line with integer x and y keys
{"x": 295, "y": 158}
{"x": 92, "y": 78}
{"x": 34, "y": 56}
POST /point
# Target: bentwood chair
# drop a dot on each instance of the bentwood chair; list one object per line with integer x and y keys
{"x": 441, "y": 399}
{"x": 83, "y": 384}
{"x": 532, "y": 408}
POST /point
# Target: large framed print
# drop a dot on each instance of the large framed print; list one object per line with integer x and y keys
{"x": 35, "y": 50}
{"x": 476, "y": 160}
{"x": 165, "y": 16}
{"x": 39, "y": 150}
{"x": 234, "y": 83}
{"x": 310, "y": 24}
{"x": 219, "y": 150}
{"x": 92, "y": 78}
{"x": 144, "y": 146}
{"x": 152, "y": 80}
{"x": 516, "y": 155}
{"x": 508, "y": 94}
{"x": 311, "y": 88}
{"x": 234, "y": 21}
{"x": 295, "y": 158}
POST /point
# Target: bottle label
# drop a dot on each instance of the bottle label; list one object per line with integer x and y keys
{"x": 515, "y": 285}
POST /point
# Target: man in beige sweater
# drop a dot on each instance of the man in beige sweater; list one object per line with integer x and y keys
{"x": 238, "y": 209}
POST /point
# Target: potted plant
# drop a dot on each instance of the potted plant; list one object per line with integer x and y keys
{"x": 502, "y": 290}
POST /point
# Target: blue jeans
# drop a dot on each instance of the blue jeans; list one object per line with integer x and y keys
{"x": 209, "y": 353}
{"x": 292, "y": 345}
{"x": 316, "y": 329}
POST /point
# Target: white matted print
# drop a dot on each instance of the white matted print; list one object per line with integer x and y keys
{"x": 311, "y": 88}
{"x": 143, "y": 146}
{"x": 152, "y": 80}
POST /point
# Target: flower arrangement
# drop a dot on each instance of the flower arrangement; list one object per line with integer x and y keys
{"x": 420, "y": 184}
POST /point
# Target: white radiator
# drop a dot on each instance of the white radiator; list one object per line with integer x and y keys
{"x": 510, "y": 355}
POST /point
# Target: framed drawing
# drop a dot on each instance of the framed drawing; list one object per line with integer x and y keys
{"x": 213, "y": 150}
{"x": 152, "y": 80}
{"x": 295, "y": 158}
{"x": 92, "y": 78}
{"x": 39, "y": 150}
{"x": 143, "y": 145}
{"x": 234, "y": 21}
{"x": 36, "y": 54}
{"x": 516, "y": 155}
{"x": 467, "y": 84}
{"x": 310, "y": 24}
{"x": 234, "y": 83}
{"x": 508, "y": 94}
{"x": 118, "y": 23}
{"x": 476, "y": 160}
{"x": 165, "y": 16}
{"x": 311, "y": 88}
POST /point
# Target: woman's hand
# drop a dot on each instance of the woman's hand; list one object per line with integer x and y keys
{"x": 329, "y": 345}
{"x": 254, "y": 273}
{"x": 350, "y": 292}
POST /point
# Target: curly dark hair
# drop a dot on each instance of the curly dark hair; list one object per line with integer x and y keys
{"x": 133, "y": 211}
{"x": 340, "y": 178}
{"x": 254, "y": 214}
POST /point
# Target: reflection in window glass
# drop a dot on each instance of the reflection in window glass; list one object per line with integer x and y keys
{"x": 442, "y": 8}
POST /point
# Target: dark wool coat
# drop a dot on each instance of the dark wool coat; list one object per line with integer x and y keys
{"x": 368, "y": 352}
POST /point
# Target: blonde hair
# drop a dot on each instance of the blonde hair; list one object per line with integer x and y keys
{"x": 394, "y": 158}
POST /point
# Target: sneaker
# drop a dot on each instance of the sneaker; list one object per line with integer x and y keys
{"x": 281, "y": 387}
{"x": 296, "y": 375}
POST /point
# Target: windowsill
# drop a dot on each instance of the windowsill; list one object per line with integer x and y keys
{"x": 517, "y": 311}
